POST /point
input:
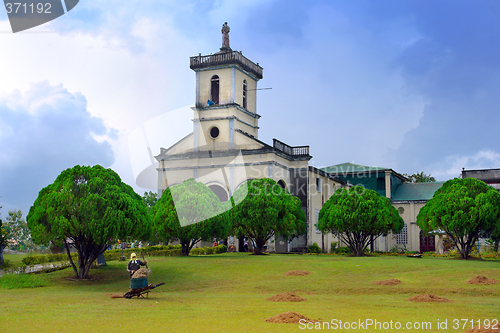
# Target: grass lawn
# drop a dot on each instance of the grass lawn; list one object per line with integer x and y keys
{"x": 228, "y": 292}
{"x": 14, "y": 260}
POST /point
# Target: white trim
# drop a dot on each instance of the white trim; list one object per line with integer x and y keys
{"x": 233, "y": 84}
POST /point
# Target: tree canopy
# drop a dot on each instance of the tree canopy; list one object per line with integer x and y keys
{"x": 420, "y": 177}
{"x": 464, "y": 209}
{"x": 88, "y": 208}
{"x": 19, "y": 234}
{"x": 266, "y": 210}
{"x": 189, "y": 212}
{"x": 355, "y": 215}
{"x": 150, "y": 199}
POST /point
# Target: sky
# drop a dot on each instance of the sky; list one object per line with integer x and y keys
{"x": 411, "y": 85}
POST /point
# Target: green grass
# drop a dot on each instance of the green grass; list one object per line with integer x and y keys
{"x": 17, "y": 281}
{"x": 227, "y": 293}
{"x": 15, "y": 260}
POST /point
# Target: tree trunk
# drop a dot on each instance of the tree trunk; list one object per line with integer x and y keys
{"x": 87, "y": 254}
{"x": 70, "y": 259}
{"x": 185, "y": 248}
{"x": 259, "y": 246}
{"x": 1, "y": 255}
{"x": 495, "y": 245}
{"x": 464, "y": 249}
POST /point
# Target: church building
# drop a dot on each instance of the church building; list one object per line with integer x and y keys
{"x": 224, "y": 151}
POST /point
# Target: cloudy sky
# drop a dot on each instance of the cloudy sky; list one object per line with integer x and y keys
{"x": 410, "y": 85}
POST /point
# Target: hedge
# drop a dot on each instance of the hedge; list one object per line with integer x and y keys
{"x": 208, "y": 250}
{"x": 36, "y": 259}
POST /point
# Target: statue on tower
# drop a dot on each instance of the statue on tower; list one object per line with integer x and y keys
{"x": 225, "y": 37}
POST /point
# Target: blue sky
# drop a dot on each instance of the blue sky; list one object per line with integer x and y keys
{"x": 410, "y": 85}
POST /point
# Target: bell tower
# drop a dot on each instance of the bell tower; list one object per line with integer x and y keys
{"x": 226, "y": 96}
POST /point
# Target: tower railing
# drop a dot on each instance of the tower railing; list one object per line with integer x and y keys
{"x": 224, "y": 58}
{"x": 294, "y": 151}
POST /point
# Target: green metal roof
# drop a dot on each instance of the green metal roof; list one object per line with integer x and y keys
{"x": 416, "y": 191}
{"x": 351, "y": 167}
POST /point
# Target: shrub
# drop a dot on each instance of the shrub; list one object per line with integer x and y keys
{"x": 6, "y": 264}
{"x": 314, "y": 248}
{"x": 343, "y": 250}
{"x": 220, "y": 249}
{"x": 208, "y": 250}
{"x": 333, "y": 247}
{"x": 34, "y": 259}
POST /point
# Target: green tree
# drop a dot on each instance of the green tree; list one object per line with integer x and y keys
{"x": 266, "y": 210}
{"x": 355, "y": 215}
{"x": 19, "y": 233}
{"x": 189, "y": 212}
{"x": 464, "y": 209}
{"x": 420, "y": 177}
{"x": 150, "y": 199}
{"x": 89, "y": 207}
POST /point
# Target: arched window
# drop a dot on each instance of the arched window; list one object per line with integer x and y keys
{"x": 214, "y": 89}
{"x": 244, "y": 94}
{"x": 282, "y": 183}
{"x": 381, "y": 184}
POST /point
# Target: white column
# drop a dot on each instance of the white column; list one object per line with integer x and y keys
{"x": 233, "y": 84}
{"x": 198, "y": 88}
{"x": 388, "y": 184}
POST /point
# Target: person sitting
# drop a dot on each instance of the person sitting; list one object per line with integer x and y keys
{"x": 134, "y": 264}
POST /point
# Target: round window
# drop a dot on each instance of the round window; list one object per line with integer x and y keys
{"x": 401, "y": 210}
{"x": 214, "y": 132}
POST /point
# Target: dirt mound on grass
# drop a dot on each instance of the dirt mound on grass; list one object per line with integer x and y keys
{"x": 297, "y": 273}
{"x": 140, "y": 273}
{"x": 290, "y": 318}
{"x": 482, "y": 280}
{"x": 482, "y": 330}
{"x": 115, "y": 295}
{"x": 391, "y": 282}
{"x": 286, "y": 297}
{"x": 428, "y": 298}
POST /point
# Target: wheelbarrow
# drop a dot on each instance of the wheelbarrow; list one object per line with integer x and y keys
{"x": 139, "y": 287}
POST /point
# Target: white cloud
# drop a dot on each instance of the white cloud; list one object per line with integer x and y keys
{"x": 43, "y": 132}
{"x": 452, "y": 165}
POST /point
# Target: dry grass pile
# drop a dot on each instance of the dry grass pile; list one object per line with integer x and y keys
{"x": 428, "y": 298}
{"x": 482, "y": 280}
{"x": 484, "y": 330}
{"x": 140, "y": 273}
{"x": 289, "y": 318}
{"x": 297, "y": 273}
{"x": 391, "y": 282}
{"x": 286, "y": 297}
